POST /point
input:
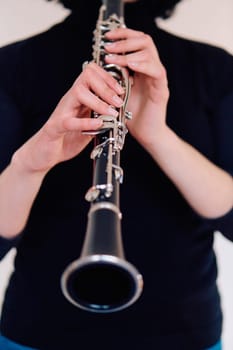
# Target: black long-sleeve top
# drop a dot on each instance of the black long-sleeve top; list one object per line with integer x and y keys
{"x": 169, "y": 243}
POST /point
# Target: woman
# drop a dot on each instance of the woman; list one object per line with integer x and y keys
{"x": 178, "y": 186}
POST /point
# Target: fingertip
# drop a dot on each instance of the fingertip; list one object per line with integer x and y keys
{"x": 133, "y": 64}
{"x": 97, "y": 122}
{"x": 94, "y": 123}
{"x": 112, "y": 111}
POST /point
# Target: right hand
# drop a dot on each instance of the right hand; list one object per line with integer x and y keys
{"x": 61, "y": 136}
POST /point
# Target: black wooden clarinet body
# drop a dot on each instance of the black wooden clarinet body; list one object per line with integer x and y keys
{"x": 101, "y": 280}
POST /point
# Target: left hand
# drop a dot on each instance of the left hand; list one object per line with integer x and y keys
{"x": 207, "y": 188}
{"x": 149, "y": 95}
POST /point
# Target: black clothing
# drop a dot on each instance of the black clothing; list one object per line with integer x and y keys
{"x": 158, "y": 8}
{"x": 170, "y": 244}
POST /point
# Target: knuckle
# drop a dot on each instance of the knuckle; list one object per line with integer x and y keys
{"x": 141, "y": 33}
{"x": 99, "y": 106}
{"x": 146, "y": 55}
{"x": 166, "y": 93}
{"x": 162, "y": 73}
{"x": 91, "y": 65}
{"x": 89, "y": 70}
{"x": 147, "y": 38}
{"x": 78, "y": 90}
{"x": 66, "y": 124}
{"x": 108, "y": 95}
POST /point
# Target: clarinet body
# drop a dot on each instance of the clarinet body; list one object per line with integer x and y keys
{"x": 101, "y": 280}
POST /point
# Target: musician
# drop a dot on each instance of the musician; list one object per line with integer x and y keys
{"x": 177, "y": 190}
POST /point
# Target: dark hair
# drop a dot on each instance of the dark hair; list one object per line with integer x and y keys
{"x": 159, "y": 8}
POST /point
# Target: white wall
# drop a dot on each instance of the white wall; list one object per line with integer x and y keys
{"x": 208, "y": 20}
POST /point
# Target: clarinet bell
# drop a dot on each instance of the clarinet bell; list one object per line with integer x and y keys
{"x": 101, "y": 280}
{"x": 101, "y": 283}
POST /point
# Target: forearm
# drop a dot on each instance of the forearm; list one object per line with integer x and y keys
{"x": 206, "y": 187}
{"x": 18, "y": 189}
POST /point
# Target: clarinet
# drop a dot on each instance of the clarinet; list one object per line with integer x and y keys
{"x": 101, "y": 280}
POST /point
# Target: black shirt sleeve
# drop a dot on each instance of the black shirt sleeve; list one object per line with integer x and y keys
{"x": 222, "y": 127}
{"x": 10, "y": 136}
{"x": 222, "y": 124}
{"x": 11, "y": 129}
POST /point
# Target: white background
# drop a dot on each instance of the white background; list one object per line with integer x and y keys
{"x": 206, "y": 20}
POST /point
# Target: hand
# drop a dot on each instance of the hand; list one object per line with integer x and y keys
{"x": 149, "y": 95}
{"x": 207, "y": 188}
{"x": 61, "y": 137}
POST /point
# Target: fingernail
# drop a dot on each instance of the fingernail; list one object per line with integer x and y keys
{"x": 133, "y": 64}
{"x": 109, "y": 43}
{"x": 110, "y": 56}
{"x": 112, "y": 111}
{"x": 119, "y": 89}
{"x": 118, "y": 100}
{"x": 98, "y": 122}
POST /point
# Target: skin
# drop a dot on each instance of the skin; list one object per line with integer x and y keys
{"x": 206, "y": 187}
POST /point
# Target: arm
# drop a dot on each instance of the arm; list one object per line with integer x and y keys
{"x": 58, "y": 140}
{"x": 18, "y": 189}
{"x": 206, "y": 187}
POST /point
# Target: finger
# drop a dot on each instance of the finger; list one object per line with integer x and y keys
{"x": 99, "y": 83}
{"x": 122, "y": 32}
{"x": 130, "y": 44}
{"x": 93, "y": 70}
{"x": 101, "y": 88}
{"x": 140, "y": 55}
{"x": 142, "y": 62}
{"x": 84, "y": 124}
{"x": 88, "y": 98}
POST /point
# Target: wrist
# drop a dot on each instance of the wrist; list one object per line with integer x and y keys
{"x": 19, "y": 186}
{"x": 21, "y": 165}
{"x": 164, "y": 140}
